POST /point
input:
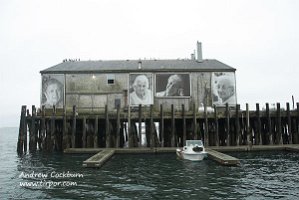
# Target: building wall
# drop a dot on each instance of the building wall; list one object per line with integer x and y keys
{"x": 94, "y": 91}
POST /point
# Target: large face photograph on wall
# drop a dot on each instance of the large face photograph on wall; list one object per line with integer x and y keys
{"x": 224, "y": 88}
{"x": 172, "y": 85}
{"x": 52, "y": 91}
{"x": 141, "y": 89}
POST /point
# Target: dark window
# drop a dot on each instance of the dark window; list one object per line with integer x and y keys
{"x": 110, "y": 79}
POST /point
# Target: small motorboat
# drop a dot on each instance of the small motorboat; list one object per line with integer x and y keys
{"x": 194, "y": 150}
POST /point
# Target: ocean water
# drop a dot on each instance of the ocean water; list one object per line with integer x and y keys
{"x": 261, "y": 175}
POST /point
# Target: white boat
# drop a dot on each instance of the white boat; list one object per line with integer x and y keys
{"x": 194, "y": 150}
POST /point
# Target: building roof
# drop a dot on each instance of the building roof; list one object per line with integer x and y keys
{"x": 118, "y": 66}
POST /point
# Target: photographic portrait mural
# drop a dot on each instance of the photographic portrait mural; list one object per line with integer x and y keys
{"x": 224, "y": 88}
{"x": 141, "y": 89}
{"x": 52, "y": 91}
{"x": 172, "y": 85}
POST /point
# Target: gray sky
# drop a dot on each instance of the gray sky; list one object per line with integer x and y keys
{"x": 260, "y": 38}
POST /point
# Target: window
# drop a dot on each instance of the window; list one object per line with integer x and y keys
{"x": 110, "y": 79}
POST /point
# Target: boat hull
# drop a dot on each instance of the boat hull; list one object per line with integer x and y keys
{"x": 191, "y": 156}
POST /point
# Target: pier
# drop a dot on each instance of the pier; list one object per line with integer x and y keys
{"x": 57, "y": 129}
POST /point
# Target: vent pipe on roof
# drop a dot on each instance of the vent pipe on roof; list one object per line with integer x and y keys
{"x": 199, "y": 52}
{"x": 139, "y": 64}
{"x": 192, "y": 56}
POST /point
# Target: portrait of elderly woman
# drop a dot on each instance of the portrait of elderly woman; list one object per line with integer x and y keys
{"x": 141, "y": 91}
{"x": 172, "y": 85}
{"x": 224, "y": 90}
{"x": 52, "y": 94}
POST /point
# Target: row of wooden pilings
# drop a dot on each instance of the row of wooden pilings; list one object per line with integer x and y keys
{"x": 227, "y": 126}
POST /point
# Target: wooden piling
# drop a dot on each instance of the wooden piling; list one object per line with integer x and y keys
{"x": 162, "y": 125}
{"x": 184, "y": 125}
{"x": 74, "y": 126}
{"x": 22, "y": 131}
{"x": 42, "y": 139}
{"x": 227, "y": 117}
{"x": 237, "y": 124}
{"x": 140, "y": 124}
{"x": 84, "y": 132}
{"x": 269, "y": 125}
{"x": 206, "y": 130}
{"x": 51, "y": 139}
{"x": 65, "y": 143}
{"x": 96, "y": 132}
{"x": 130, "y": 134}
{"x": 279, "y": 127}
{"x": 107, "y": 127}
{"x": 216, "y": 125}
{"x": 290, "y": 131}
{"x": 117, "y": 142}
{"x": 258, "y": 137}
{"x": 195, "y": 135}
{"x": 172, "y": 127}
{"x": 248, "y": 132}
{"x": 297, "y": 132}
{"x": 32, "y": 136}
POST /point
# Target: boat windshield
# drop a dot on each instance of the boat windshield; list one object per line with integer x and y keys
{"x": 194, "y": 142}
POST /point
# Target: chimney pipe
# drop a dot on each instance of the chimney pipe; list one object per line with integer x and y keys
{"x": 192, "y": 56}
{"x": 199, "y": 52}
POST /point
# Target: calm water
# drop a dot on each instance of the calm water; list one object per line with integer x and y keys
{"x": 262, "y": 175}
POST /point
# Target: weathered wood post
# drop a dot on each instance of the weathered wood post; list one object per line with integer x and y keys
{"x": 65, "y": 143}
{"x": 51, "y": 139}
{"x": 74, "y": 126}
{"x": 96, "y": 130}
{"x": 172, "y": 127}
{"x": 237, "y": 118}
{"x": 130, "y": 133}
{"x": 152, "y": 125}
{"x": 22, "y": 131}
{"x": 258, "y": 137}
{"x": 297, "y": 136}
{"x": 195, "y": 135}
{"x": 279, "y": 127}
{"x": 216, "y": 125}
{"x": 84, "y": 132}
{"x": 269, "y": 125}
{"x": 227, "y": 116}
{"x": 32, "y": 135}
{"x": 162, "y": 125}
{"x": 248, "y": 132}
{"x": 206, "y": 130}
{"x": 290, "y": 136}
{"x": 42, "y": 135}
{"x": 140, "y": 124}
{"x": 107, "y": 127}
{"x": 184, "y": 125}
{"x": 117, "y": 143}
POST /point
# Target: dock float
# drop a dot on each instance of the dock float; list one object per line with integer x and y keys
{"x": 222, "y": 158}
{"x": 99, "y": 159}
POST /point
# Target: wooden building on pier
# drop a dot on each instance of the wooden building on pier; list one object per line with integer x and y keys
{"x": 90, "y": 85}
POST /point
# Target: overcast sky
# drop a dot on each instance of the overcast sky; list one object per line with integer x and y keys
{"x": 260, "y": 38}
